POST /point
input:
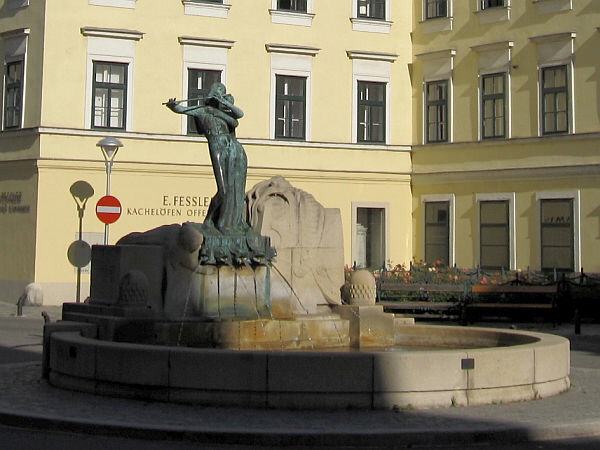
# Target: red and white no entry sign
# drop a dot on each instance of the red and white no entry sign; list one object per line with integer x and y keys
{"x": 108, "y": 209}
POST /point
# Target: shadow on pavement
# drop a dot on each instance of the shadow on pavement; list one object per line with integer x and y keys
{"x": 20, "y": 353}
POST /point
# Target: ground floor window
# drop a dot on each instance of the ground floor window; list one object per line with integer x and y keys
{"x": 370, "y": 237}
{"x": 437, "y": 232}
{"x": 494, "y": 234}
{"x": 557, "y": 234}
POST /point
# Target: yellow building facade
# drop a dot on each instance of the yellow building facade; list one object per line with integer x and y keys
{"x": 506, "y": 121}
{"x": 323, "y": 85}
{"x": 459, "y": 131}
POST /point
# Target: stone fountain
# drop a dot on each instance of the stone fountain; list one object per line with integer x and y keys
{"x": 251, "y": 308}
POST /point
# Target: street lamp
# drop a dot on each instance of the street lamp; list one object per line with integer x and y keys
{"x": 109, "y": 146}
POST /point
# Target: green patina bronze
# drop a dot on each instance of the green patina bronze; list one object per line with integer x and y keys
{"x": 228, "y": 238}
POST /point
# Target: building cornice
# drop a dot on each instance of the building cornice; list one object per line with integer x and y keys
{"x": 113, "y": 33}
{"x": 438, "y": 54}
{"x": 504, "y": 45}
{"x": 434, "y": 177}
{"x": 205, "y": 42}
{"x": 41, "y": 131}
{"x": 542, "y": 39}
{"x": 373, "y": 56}
{"x": 292, "y": 49}
{"x": 15, "y": 33}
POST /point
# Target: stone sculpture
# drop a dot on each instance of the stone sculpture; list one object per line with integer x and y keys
{"x": 308, "y": 238}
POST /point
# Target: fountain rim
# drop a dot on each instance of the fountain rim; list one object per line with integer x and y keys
{"x": 314, "y": 379}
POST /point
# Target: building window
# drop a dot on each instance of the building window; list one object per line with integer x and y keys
{"x": 292, "y": 5}
{"x": 494, "y": 234}
{"x": 371, "y": 111}
{"x": 555, "y": 100}
{"x": 436, "y": 8}
{"x": 370, "y": 237}
{"x": 437, "y": 232}
{"x": 493, "y": 106}
{"x": 557, "y": 234}
{"x": 437, "y": 111}
{"x": 109, "y": 88}
{"x": 371, "y": 9}
{"x": 492, "y": 4}
{"x": 13, "y": 94}
{"x": 290, "y": 107}
{"x": 199, "y": 83}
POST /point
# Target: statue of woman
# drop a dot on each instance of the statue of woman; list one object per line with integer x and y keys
{"x": 216, "y": 118}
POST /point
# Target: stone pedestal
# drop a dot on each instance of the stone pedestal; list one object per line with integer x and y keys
{"x": 116, "y": 267}
{"x": 228, "y": 293}
{"x": 369, "y": 325}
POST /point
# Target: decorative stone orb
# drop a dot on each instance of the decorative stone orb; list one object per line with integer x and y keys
{"x": 133, "y": 289}
{"x": 360, "y": 289}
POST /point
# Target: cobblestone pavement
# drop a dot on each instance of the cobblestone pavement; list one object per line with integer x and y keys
{"x": 27, "y": 400}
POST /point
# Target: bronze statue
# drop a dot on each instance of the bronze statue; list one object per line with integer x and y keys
{"x": 228, "y": 237}
{"x": 216, "y": 117}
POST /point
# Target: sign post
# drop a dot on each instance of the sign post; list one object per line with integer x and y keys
{"x": 109, "y": 146}
{"x": 108, "y": 210}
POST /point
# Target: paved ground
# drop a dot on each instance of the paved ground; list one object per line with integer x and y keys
{"x": 36, "y": 415}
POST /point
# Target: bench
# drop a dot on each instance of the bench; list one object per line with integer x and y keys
{"x": 423, "y": 307}
{"x": 517, "y": 297}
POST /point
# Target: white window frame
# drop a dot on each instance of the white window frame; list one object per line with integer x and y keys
{"x": 562, "y": 195}
{"x": 493, "y": 14}
{"x": 437, "y": 66}
{"x": 556, "y": 50}
{"x": 380, "y": 205}
{"x": 202, "y": 54}
{"x": 113, "y": 46}
{"x": 449, "y": 106}
{"x": 437, "y": 24}
{"x": 129, "y": 4}
{"x": 570, "y": 97}
{"x": 451, "y": 199}
{"x": 512, "y": 230}
{"x": 449, "y": 11}
{"x": 374, "y": 67}
{"x": 371, "y": 25}
{"x": 481, "y": 8}
{"x": 303, "y": 19}
{"x": 206, "y": 9}
{"x": 295, "y": 61}
{"x": 507, "y": 106}
{"x": 20, "y": 50}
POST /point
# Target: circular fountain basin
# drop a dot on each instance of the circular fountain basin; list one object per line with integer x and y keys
{"x": 439, "y": 366}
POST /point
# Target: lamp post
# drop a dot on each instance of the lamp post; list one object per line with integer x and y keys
{"x": 109, "y": 146}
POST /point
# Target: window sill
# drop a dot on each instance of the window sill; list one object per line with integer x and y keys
{"x": 17, "y": 4}
{"x": 437, "y": 24}
{"x": 493, "y": 15}
{"x": 371, "y": 25}
{"x": 205, "y": 9}
{"x": 553, "y": 6}
{"x": 291, "y": 18}
{"x": 129, "y": 4}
